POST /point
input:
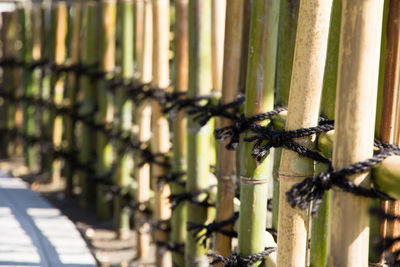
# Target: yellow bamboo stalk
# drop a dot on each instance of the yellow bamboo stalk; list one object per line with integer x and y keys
{"x": 160, "y": 127}
{"x": 230, "y": 88}
{"x": 304, "y": 102}
{"x": 61, "y": 27}
{"x": 144, "y": 48}
{"x": 354, "y": 127}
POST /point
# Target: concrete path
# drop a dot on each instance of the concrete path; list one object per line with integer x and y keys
{"x": 34, "y": 233}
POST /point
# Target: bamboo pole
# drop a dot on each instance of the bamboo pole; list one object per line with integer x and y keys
{"x": 230, "y": 89}
{"x": 356, "y": 90}
{"x": 319, "y": 244}
{"x": 218, "y": 10}
{"x": 59, "y": 12}
{"x": 259, "y": 98}
{"x": 89, "y": 56}
{"x": 9, "y": 37}
{"x": 72, "y": 84}
{"x": 198, "y": 138}
{"x": 389, "y": 101}
{"x": 124, "y": 161}
{"x": 143, "y": 112}
{"x": 105, "y": 99}
{"x": 288, "y": 16}
{"x": 304, "y": 103}
{"x": 160, "y": 127}
{"x": 179, "y": 146}
{"x": 31, "y": 81}
{"x": 46, "y": 125}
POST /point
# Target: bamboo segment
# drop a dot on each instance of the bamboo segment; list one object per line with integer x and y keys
{"x": 179, "y": 146}
{"x": 354, "y": 133}
{"x": 32, "y": 41}
{"x": 9, "y": 38}
{"x": 72, "y": 84}
{"x": 143, "y": 54}
{"x": 218, "y": 10}
{"x": 390, "y": 99}
{"x": 320, "y": 222}
{"x": 304, "y": 103}
{"x": 124, "y": 161}
{"x": 160, "y": 127}
{"x": 230, "y": 89}
{"x": 59, "y": 13}
{"x": 105, "y": 100}
{"x": 288, "y": 16}
{"x": 89, "y": 56}
{"x": 261, "y": 69}
{"x": 198, "y": 138}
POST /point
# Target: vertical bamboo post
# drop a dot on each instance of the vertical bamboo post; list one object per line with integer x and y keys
{"x": 390, "y": 99}
{"x": 198, "y": 138}
{"x": 319, "y": 244}
{"x": 124, "y": 163}
{"x": 261, "y": 69}
{"x": 9, "y": 35}
{"x": 89, "y": 56}
{"x": 105, "y": 114}
{"x": 46, "y": 122}
{"x": 143, "y": 52}
{"x": 217, "y": 42}
{"x": 304, "y": 103}
{"x": 288, "y": 16}
{"x": 179, "y": 146}
{"x": 71, "y": 93}
{"x": 230, "y": 89}
{"x": 160, "y": 127}
{"x": 32, "y": 41}
{"x": 354, "y": 129}
{"x": 59, "y": 13}
{"x": 245, "y": 45}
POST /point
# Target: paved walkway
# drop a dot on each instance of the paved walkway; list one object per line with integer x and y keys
{"x": 34, "y": 233}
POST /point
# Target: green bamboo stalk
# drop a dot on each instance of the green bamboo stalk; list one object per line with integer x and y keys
{"x": 230, "y": 89}
{"x": 89, "y": 56}
{"x": 354, "y": 130}
{"x": 288, "y": 16}
{"x": 72, "y": 85}
{"x": 46, "y": 125}
{"x": 320, "y": 223}
{"x": 59, "y": 33}
{"x": 31, "y": 21}
{"x": 9, "y": 35}
{"x": 259, "y": 98}
{"x": 304, "y": 103}
{"x": 179, "y": 143}
{"x": 124, "y": 161}
{"x": 104, "y": 148}
{"x": 198, "y": 138}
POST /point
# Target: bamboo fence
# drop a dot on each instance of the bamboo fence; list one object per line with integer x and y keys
{"x": 227, "y": 133}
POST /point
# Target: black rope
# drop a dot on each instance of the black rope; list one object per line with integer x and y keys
{"x": 211, "y": 228}
{"x": 171, "y": 177}
{"x": 161, "y": 225}
{"x": 178, "y": 198}
{"x": 313, "y": 188}
{"x": 241, "y": 124}
{"x": 240, "y": 261}
{"x": 202, "y": 114}
{"x": 265, "y": 138}
{"x": 171, "y": 246}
